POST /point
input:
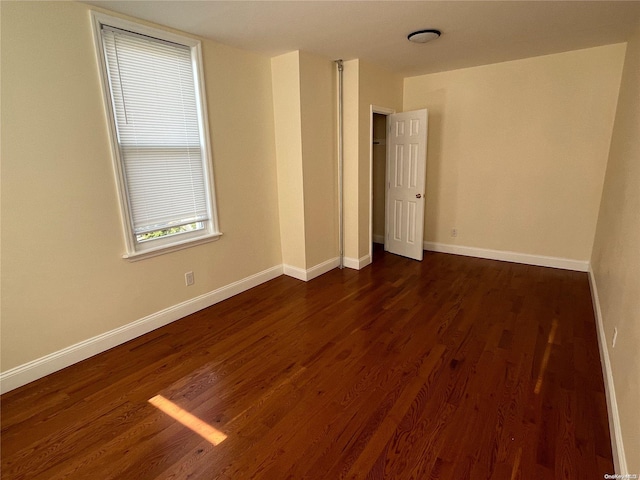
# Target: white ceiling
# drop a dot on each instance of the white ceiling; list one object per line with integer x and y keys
{"x": 473, "y": 32}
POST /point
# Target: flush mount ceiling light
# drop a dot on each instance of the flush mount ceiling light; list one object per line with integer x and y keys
{"x": 423, "y": 36}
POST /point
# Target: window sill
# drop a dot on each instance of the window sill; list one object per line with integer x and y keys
{"x": 174, "y": 247}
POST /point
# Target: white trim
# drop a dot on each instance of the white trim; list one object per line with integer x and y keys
{"x": 134, "y": 26}
{"x": 174, "y": 247}
{"x": 294, "y": 272}
{"x": 507, "y": 256}
{"x": 313, "y": 272}
{"x": 28, "y": 372}
{"x": 352, "y": 263}
{"x": 615, "y": 428}
{"x": 378, "y": 239}
{"x": 322, "y": 268}
{"x": 357, "y": 264}
{"x": 382, "y": 111}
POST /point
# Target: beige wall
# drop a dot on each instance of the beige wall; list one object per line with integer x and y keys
{"x": 351, "y": 144}
{"x": 365, "y": 85}
{"x": 319, "y": 153}
{"x": 285, "y": 71}
{"x": 616, "y": 253}
{"x": 304, "y": 92}
{"x": 517, "y": 151}
{"x": 63, "y": 278}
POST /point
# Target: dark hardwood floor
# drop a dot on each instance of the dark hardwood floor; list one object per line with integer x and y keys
{"x": 452, "y": 368}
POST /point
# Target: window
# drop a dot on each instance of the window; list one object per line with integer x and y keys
{"x": 155, "y": 102}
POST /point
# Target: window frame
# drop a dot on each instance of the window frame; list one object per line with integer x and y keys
{"x": 137, "y": 250}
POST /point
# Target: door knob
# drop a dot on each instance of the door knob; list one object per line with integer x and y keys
{"x": 418, "y": 195}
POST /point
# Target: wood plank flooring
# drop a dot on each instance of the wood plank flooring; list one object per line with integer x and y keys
{"x": 450, "y": 368}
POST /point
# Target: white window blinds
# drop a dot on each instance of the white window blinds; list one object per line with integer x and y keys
{"x": 158, "y": 129}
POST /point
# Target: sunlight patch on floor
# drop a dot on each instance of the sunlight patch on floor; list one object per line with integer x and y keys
{"x": 190, "y": 421}
{"x": 545, "y": 359}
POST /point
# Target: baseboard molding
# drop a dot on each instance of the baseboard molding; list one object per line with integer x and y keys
{"x": 313, "y": 272}
{"x": 294, "y": 272}
{"x": 28, "y": 372}
{"x": 617, "y": 447}
{"x": 378, "y": 238}
{"x": 357, "y": 263}
{"x": 322, "y": 268}
{"x": 506, "y": 256}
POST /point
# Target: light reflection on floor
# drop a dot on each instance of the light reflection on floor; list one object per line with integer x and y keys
{"x": 190, "y": 421}
{"x": 545, "y": 358}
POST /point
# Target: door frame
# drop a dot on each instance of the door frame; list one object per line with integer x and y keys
{"x": 386, "y": 112}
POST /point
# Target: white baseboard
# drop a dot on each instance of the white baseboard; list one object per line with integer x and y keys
{"x": 357, "y": 263}
{"x": 506, "y": 256}
{"x": 28, "y": 372}
{"x": 377, "y": 238}
{"x": 323, "y": 267}
{"x": 313, "y": 272}
{"x": 294, "y": 272}
{"x": 617, "y": 447}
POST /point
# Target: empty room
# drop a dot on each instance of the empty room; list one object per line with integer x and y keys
{"x": 320, "y": 240}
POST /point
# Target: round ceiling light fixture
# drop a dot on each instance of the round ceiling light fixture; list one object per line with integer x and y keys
{"x": 423, "y": 36}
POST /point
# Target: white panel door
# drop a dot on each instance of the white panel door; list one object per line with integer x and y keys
{"x": 406, "y": 171}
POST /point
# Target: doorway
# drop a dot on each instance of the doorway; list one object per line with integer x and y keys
{"x": 377, "y": 176}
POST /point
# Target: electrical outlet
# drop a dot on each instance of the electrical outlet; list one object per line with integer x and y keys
{"x": 615, "y": 337}
{"x": 454, "y": 232}
{"x": 189, "y": 279}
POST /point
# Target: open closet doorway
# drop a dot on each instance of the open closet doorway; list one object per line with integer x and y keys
{"x": 378, "y": 155}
